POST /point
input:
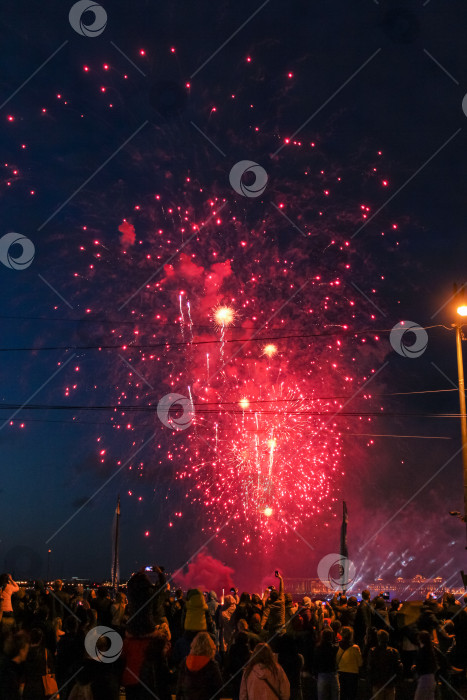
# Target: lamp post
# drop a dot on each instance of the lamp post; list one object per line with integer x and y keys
{"x": 462, "y": 311}
{"x": 49, "y": 552}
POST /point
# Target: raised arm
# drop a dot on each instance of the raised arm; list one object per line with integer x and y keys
{"x": 14, "y": 584}
{"x": 281, "y": 587}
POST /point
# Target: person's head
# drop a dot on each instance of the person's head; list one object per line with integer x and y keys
{"x": 366, "y": 595}
{"x": 288, "y": 599}
{"x": 336, "y": 626}
{"x": 262, "y": 654}
{"x": 58, "y": 584}
{"x": 228, "y": 601}
{"x": 450, "y": 599}
{"x": 178, "y": 594}
{"x": 103, "y": 592}
{"x": 327, "y": 637}
{"x": 255, "y": 623}
{"x": 424, "y": 640}
{"x": 382, "y": 638}
{"x": 347, "y": 636}
{"x": 449, "y": 627}
{"x": 4, "y": 578}
{"x": 343, "y": 600}
{"x": 16, "y": 647}
{"x": 36, "y": 637}
{"x": 430, "y": 604}
{"x": 71, "y": 625}
{"x": 245, "y": 598}
{"x": 273, "y": 596}
{"x": 256, "y": 599}
{"x": 352, "y": 602}
{"x": 306, "y": 602}
{"x": 212, "y": 596}
{"x": 242, "y": 625}
{"x": 202, "y": 645}
{"x": 160, "y": 645}
{"x": 120, "y": 598}
{"x": 395, "y": 604}
{"x": 380, "y": 604}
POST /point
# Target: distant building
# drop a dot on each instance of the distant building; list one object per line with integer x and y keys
{"x": 415, "y": 588}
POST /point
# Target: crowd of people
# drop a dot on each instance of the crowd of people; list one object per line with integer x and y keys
{"x": 246, "y": 647}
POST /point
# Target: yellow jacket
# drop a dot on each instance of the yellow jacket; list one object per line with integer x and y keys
{"x": 350, "y": 660}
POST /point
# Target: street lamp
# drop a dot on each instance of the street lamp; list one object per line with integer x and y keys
{"x": 462, "y": 312}
{"x": 49, "y": 552}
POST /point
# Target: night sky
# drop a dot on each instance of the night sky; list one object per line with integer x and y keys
{"x": 112, "y": 152}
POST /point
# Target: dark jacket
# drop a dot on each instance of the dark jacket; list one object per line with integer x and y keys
{"x": 199, "y": 679}
{"x": 70, "y": 654}
{"x": 384, "y": 667}
{"x": 103, "y": 679}
{"x": 237, "y": 657}
{"x": 425, "y": 662}
{"x": 428, "y": 620}
{"x": 34, "y": 669}
{"x": 10, "y": 675}
{"x": 104, "y": 614}
{"x": 362, "y": 620}
{"x": 324, "y": 658}
{"x": 274, "y": 611}
{"x": 290, "y": 660}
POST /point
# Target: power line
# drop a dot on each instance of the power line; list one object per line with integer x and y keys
{"x": 248, "y": 410}
{"x": 215, "y": 412}
{"x": 151, "y": 425}
{"x": 171, "y": 344}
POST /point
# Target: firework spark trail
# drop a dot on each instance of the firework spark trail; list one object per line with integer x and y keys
{"x": 190, "y": 320}
{"x": 182, "y": 318}
{"x": 246, "y": 273}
